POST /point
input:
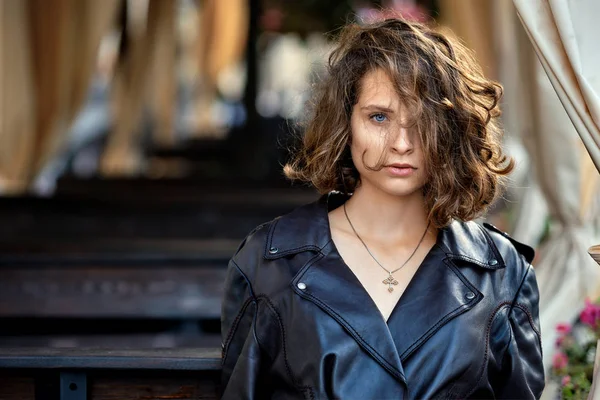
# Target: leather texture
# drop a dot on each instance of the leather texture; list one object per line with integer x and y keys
{"x": 297, "y": 323}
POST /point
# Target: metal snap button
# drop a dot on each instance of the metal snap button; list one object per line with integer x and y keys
{"x": 302, "y": 286}
{"x": 470, "y": 295}
{"x": 273, "y": 250}
{"x": 494, "y": 262}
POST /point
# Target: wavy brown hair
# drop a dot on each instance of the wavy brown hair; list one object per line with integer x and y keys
{"x": 454, "y": 108}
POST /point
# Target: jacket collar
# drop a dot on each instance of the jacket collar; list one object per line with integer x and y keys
{"x": 307, "y": 229}
{"x": 438, "y": 292}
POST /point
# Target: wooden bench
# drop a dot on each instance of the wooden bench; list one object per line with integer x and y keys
{"x": 82, "y": 374}
{"x": 105, "y": 293}
{"x": 127, "y": 279}
{"x": 137, "y": 267}
{"x": 126, "y": 252}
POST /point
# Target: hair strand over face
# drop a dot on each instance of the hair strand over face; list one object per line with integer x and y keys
{"x": 452, "y": 105}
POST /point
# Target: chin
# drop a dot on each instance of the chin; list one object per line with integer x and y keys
{"x": 401, "y": 189}
{"x": 405, "y": 192}
{"x": 393, "y": 186}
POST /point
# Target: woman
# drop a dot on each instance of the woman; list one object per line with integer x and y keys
{"x": 385, "y": 288}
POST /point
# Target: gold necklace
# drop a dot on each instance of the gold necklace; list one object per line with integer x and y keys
{"x": 390, "y": 279}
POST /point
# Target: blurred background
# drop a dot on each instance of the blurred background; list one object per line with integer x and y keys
{"x": 140, "y": 140}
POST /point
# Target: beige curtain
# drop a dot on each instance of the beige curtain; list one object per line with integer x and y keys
{"x": 147, "y": 76}
{"x": 164, "y": 77}
{"x": 221, "y": 44}
{"x": 530, "y": 206}
{"x": 472, "y": 21}
{"x": 488, "y": 29}
{"x": 49, "y": 50}
{"x": 133, "y": 85}
{"x": 17, "y": 106}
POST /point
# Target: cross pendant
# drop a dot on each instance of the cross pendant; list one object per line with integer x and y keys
{"x": 390, "y": 281}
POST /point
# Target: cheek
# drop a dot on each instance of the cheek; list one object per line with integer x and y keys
{"x": 356, "y": 151}
{"x": 421, "y": 160}
{"x": 357, "y": 146}
{"x": 362, "y": 152}
{"x": 366, "y": 139}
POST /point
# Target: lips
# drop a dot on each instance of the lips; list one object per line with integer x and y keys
{"x": 401, "y": 166}
{"x": 400, "y": 170}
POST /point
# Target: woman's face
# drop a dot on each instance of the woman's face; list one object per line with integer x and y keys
{"x": 377, "y": 133}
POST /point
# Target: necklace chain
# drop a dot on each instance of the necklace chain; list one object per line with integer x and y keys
{"x": 390, "y": 280}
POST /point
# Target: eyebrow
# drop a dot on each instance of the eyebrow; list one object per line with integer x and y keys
{"x": 377, "y": 107}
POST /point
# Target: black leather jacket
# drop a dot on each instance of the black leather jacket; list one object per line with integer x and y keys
{"x": 297, "y": 324}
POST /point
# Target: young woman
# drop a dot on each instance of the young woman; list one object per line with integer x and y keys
{"x": 385, "y": 288}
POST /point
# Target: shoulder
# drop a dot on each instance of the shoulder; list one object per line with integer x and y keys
{"x": 275, "y": 238}
{"x": 251, "y": 248}
{"x": 489, "y": 248}
{"x": 483, "y": 245}
{"x": 516, "y": 256}
{"x": 509, "y": 247}
{"x": 505, "y": 263}
{"x": 303, "y": 230}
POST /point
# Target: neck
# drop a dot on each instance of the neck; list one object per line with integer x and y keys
{"x": 387, "y": 218}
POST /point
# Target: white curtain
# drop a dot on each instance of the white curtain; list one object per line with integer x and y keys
{"x": 566, "y": 274}
{"x": 564, "y": 35}
{"x": 561, "y": 186}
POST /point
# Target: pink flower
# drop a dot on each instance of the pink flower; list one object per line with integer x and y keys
{"x": 563, "y": 329}
{"x": 590, "y": 314}
{"x": 559, "y": 341}
{"x": 566, "y": 380}
{"x": 560, "y": 360}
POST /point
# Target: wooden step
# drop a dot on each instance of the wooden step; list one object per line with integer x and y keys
{"x": 185, "y": 374}
{"x": 188, "y": 359}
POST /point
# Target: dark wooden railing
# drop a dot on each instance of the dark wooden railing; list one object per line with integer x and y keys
{"x": 103, "y": 374}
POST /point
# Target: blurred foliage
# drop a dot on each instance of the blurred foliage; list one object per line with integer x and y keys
{"x": 576, "y": 346}
{"x": 308, "y": 16}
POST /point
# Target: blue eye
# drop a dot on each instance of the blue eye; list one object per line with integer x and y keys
{"x": 378, "y": 117}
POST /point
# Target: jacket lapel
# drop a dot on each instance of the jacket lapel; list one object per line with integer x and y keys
{"x": 436, "y": 294}
{"x": 440, "y": 291}
{"x": 333, "y": 287}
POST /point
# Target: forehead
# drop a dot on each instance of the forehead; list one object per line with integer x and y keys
{"x": 377, "y": 87}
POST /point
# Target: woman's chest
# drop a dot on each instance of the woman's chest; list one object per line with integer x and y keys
{"x": 436, "y": 340}
{"x": 384, "y": 277}
{"x": 448, "y": 360}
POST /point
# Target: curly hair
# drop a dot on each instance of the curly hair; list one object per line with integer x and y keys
{"x": 453, "y": 107}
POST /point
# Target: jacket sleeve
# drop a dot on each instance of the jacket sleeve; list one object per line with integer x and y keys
{"x": 522, "y": 366}
{"x": 241, "y": 354}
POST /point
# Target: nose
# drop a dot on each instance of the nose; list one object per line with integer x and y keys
{"x": 402, "y": 142}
